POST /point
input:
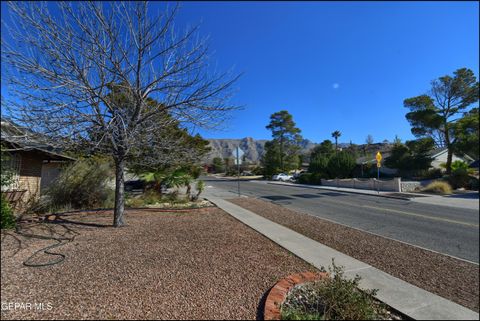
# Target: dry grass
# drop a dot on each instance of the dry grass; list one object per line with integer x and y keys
{"x": 438, "y": 187}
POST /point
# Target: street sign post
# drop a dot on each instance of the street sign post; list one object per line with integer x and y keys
{"x": 237, "y": 154}
{"x": 379, "y": 164}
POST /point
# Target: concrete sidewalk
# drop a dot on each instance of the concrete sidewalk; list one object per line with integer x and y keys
{"x": 405, "y": 297}
{"x": 471, "y": 201}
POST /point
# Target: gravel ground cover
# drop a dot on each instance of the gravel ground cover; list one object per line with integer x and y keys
{"x": 445, "y": 276}
{"x": 202, "y": 264}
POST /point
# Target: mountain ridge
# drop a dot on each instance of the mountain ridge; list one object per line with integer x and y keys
{"x": 255, "y": 148}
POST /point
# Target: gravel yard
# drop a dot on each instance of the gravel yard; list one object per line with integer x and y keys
{"x": 448, "y": 277}
{"x": 202, "y": 264}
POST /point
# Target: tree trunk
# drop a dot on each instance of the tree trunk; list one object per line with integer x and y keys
{"x": 449, "y": 149}
{"x": 281, "y": 154}
{"x": 119, "y": 193}
{"x": 449, "y": 160}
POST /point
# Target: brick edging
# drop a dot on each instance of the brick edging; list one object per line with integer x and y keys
{"x": 279, "y": 292}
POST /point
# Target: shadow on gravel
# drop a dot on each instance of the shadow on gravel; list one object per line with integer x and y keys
{"x": 54, "y": 228}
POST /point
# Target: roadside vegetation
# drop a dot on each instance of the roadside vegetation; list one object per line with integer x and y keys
{"x": 7, "y": 215}
{"x": 96, "y": 103}
{"x": 85, "y": 184}
{"x": 335, "y": 298}
{"x": 438, "y": 187}
{"x": 441, "y": 120}
{"x": 162, "y": 188}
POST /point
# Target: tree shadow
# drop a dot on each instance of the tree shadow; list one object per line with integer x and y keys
{"x": 52, "y": 227}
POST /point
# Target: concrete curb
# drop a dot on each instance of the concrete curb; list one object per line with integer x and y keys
{"x": 400, "y": 295}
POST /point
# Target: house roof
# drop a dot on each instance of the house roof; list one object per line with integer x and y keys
{"x": 437, "y": 151}
{"x": 23, "y": 139}
{"x": 442, "y": 150}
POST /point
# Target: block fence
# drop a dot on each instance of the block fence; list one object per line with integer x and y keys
{"x": 392, "y": 185}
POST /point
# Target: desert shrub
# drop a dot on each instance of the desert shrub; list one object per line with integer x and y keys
{"x": 151, "y": 197}
{"x": 310, "y": 178}
{"x": 134, "y": 202}
{"x": 174, "y": 198}
{"x": 304, "y": 178}
{"x": 458, "y": 164}
{"x": 316, "y": 178}
{"x": 473, "y": 184}
{"x": 432, "y": 173}
{"x": 200, "y": 187}
{"x": 7, "y": 217}
{"x": 336, "y": 298}
{"x": 81, "y": 185}
{"x": 438, "y": 187}
{"x": 459, "y": 178}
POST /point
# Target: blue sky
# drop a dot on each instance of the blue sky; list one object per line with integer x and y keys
{"x": 344, "y": 66}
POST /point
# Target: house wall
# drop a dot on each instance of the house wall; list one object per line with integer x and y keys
{"x": 50, "y": 173}
{"x": 30, "y": 175}
{"x": 442, "y": 158}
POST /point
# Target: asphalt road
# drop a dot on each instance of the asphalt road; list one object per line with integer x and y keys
{"x": 448, "y": 230}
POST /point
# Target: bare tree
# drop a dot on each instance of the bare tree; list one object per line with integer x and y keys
{"x": 85, "y": 74}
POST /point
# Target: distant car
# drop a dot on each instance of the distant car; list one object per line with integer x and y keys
{"x": 282, "y": 177}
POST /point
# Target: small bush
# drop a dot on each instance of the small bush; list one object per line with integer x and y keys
{"x": 438, "y": 187}
{"x": 310, "y": 178}
{"x": 200, "y": 188}
{"x": 151, "y": 197}
{"x": 305, "y": 178}
{"x": 336, "y": 298}
{"x": 7, "y": 217}
{"x": 473, "y": 183}
{"x": 458, "y": 164}
{"x": 459, "y": 178}
{"x": 432, "y": 173}
{"x": 134, "y": 202}
{"x": 81, "y": 185}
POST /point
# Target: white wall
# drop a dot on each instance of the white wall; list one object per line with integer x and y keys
{"x": 442, "y": 158}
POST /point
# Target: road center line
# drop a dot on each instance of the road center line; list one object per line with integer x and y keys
{"x": 423, "y": 216}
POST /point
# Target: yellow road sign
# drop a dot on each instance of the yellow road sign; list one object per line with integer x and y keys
{"x": 379, "y": 164}
{"x": 378, "y": 157}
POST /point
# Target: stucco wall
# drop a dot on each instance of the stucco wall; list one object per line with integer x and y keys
{"x": 392, "y": 185}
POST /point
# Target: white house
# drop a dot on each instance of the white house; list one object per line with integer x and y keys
{"x": 439, "y": 156}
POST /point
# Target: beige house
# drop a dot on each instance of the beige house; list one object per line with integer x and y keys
{"x": 34, "y": 165}
{"x": 439, "y": 156}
